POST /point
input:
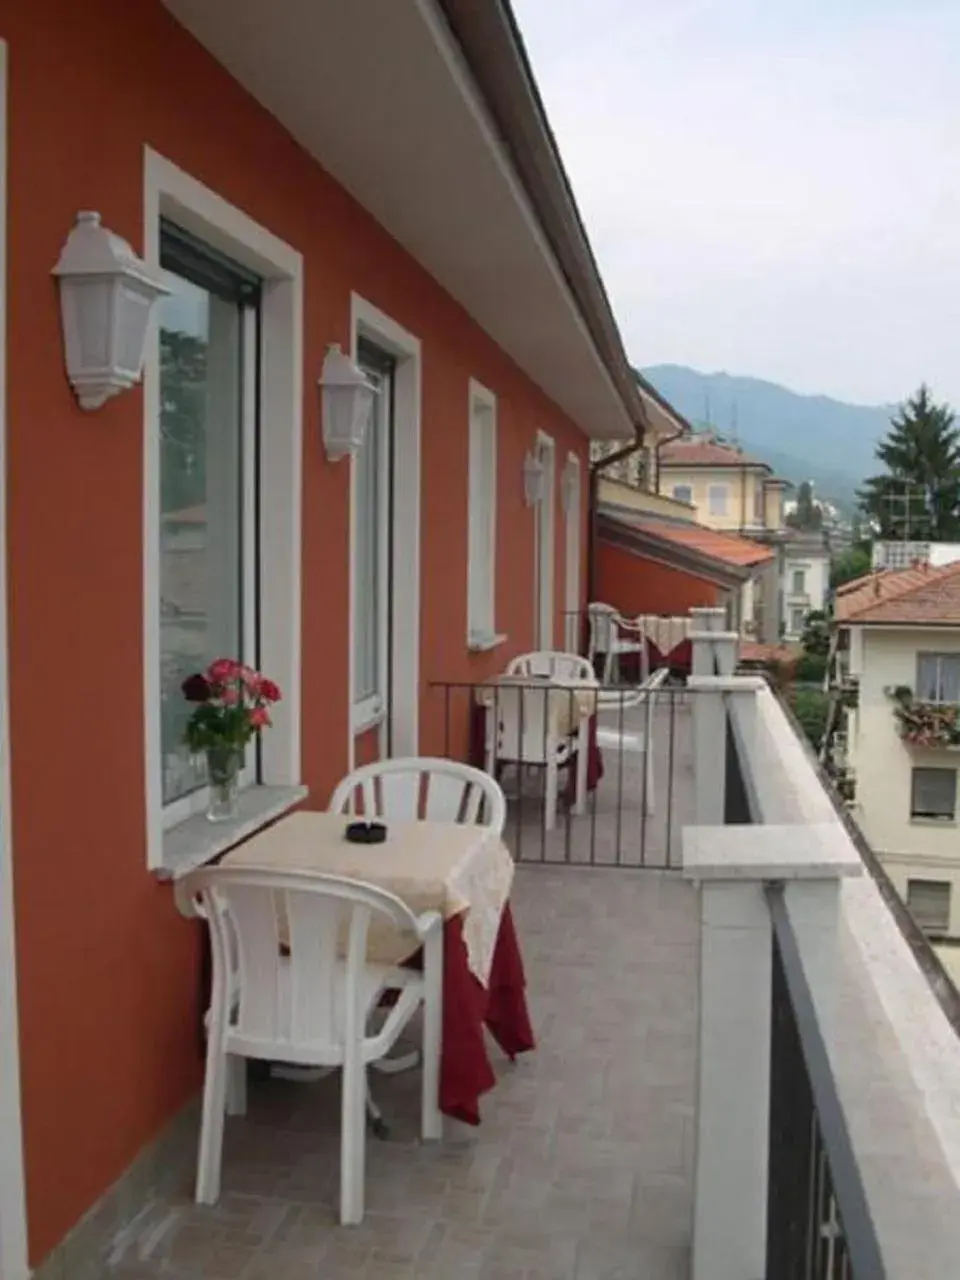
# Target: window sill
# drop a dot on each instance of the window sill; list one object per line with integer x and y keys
{"x": 197, "y": 841}
{"x": 933, "y": 822}
{"x": 483, "y": 643}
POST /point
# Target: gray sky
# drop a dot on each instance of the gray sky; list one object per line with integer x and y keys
{"x": 772, "y": 187}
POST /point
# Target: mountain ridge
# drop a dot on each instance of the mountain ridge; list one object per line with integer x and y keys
{"x": 802, "y": 435}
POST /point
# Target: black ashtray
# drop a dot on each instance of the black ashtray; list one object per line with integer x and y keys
{"x": 366, "y": 833}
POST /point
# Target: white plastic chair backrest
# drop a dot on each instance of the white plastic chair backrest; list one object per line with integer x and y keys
{"x": 603, "y": 630}
{"x": 422, "y": 787}
{"x": 294, "y": 990}
{"x": 553, "y": 665}
{"x": 525, "y": 720}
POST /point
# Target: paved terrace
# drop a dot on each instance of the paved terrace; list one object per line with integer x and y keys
{"x": 581, "y": 1169}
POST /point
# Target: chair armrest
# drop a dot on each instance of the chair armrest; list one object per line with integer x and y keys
{"x": 427, "y": 923}
{"x": 188, "y": 904}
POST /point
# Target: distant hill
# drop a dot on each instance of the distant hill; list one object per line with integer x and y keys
{"x": 802, "y": 437}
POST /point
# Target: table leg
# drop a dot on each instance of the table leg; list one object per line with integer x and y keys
{"x": 583, "y": 749}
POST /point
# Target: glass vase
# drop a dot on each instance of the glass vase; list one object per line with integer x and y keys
{"x": 223, "y": 776}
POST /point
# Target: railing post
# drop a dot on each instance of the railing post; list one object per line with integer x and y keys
{"x": 702, "y": 619}
{"x": 710, "y": 706}
{"x": 732, "y": 866}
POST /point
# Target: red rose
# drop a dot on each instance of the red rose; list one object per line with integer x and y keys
{"x": 196, "y": 688}
{"x": 260, "y": 717}
{"x": 269, "y": 691}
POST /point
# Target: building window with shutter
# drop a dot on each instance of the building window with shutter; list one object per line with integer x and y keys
{"x": 929, "y": 903}
{"x": 938, "y": 677}
{"x": 933, "y": 794}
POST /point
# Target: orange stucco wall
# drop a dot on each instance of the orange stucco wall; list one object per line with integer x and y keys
{"x": 107, "y": 970}
{"x": 633, "y": 584}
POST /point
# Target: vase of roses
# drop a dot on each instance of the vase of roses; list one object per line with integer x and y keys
{"x": 232, "y": 703}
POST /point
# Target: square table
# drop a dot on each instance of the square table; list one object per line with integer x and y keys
{"x": 572, "y": 710}
{"x": 463, "y": 871}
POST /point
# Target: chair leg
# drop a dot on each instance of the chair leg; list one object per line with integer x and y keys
{"x": 550, "y": 792}
{"x": 353, "y": 1143}
{"x": 210, "y": 1155}
{"x": 607, "y": 666}
{"x": 431, "y": 1118}
{"x": 236, "y": 1085}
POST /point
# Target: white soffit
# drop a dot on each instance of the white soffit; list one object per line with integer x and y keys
{"x": 376, "y": 91}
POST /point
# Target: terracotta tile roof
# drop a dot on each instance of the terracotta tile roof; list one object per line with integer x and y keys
{"x": 730, "y": 548}
{"x": 920, "y": 594}
{"x": 702, "y": 451}
{"x": 753, "y": 651}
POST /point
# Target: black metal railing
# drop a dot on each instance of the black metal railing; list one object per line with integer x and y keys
{"x": 628, "y": 749}
{"x": 819, "y": 1225}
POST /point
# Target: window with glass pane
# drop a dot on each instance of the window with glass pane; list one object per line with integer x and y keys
{"x": 683, "y": 493}
{"x": 799, "y": 582}
{"x": 208, "y": 372}
{"x": 938, "y": 677}
{"x": 758, "y": 501}
{"x": 933, "y": 793}
{"x": 929, "y": 901}
{"x": 481, "y": 550}
{"x": 372, "y": 507}
{"x": 717, "y": 498}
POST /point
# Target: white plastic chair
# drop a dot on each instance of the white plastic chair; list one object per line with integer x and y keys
{"x": 281, "y": 990}
{"x": 607, "y": 628}
{"x": 555, "y": 666}
{"x": 520, "y": 730}
{"x": 422, "y": 787}
{"x": 633, "y": 741}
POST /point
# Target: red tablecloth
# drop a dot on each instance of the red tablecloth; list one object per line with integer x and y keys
{"x": 465, "y": 1070}
{"x": 478, "y": 752}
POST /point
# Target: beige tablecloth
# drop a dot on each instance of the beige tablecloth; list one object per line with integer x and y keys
{"x": 570, "y": 701}
{"x": 454, "y": 868}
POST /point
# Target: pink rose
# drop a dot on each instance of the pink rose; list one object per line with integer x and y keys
{"x": 260, "y": 717}
{"x": 229, "y": 696}
{"x": 222, "y": 670}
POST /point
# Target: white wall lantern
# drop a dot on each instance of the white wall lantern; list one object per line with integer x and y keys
{"x": 106, "y": 296}
{"x": 533, "y": 478}
{"x": 569, "y": 484}
{"x": 347, "y": 404}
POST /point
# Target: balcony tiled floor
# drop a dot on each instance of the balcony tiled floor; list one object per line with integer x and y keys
{"x": 581, "y": 1169}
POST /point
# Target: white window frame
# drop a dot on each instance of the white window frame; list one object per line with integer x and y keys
{"x": 13, "y": 1210}
{"x": 170, "y": 192}
{"x": 371, "y": 709}
{"x": 802, "y": 589}
{"x": 925, "y": 923}
{"x": 545, "y": 542}
{"x": 930, "y": 817}
{"x": 573, "y": 499}
{"x": 369, "y": 322}
{"x": 718, "y": 496}
{"x": 482, "y": 519}
{"x": 938, "y": 658}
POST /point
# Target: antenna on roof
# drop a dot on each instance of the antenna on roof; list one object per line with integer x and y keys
{"x": 708, "y": 419}
{"x": 734, "y": 423}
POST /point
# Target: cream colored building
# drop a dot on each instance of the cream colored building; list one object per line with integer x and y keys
{"x": 734, "y": 493}
{"x": 901, "y": 629}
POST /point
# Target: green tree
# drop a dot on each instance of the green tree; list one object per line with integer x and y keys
{"x": 851, "y": 564}
{"x": 808, "y": 515}
{"x": 816, "y": 633}
{"x": 811, "y": 708}
{"x": 918, "y": 495}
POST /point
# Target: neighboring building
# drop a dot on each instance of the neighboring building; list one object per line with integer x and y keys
{"x": 889, "y": 554}
{"x": 662, "y": 423}
{"x": 653, "y": 557}
{"x": 806, "y": 579}
{"x": 899, "y": 633}
{"x": 375, "y": 176}
{"x": 734, "y": 493}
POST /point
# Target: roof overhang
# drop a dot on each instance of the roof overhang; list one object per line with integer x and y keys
{"x": 626, "y": 536}
{"x": 441, "y": 137}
